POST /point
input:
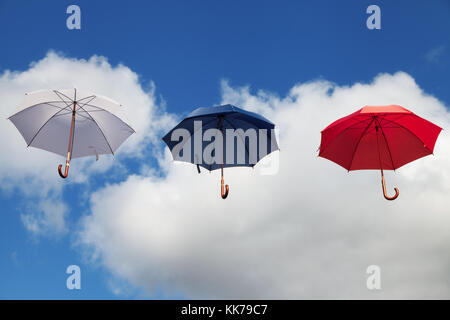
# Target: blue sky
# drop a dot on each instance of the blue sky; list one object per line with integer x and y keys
{"x": 187, "y": 48}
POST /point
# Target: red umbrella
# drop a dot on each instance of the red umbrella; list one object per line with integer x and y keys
{"x": 378, "y": 137}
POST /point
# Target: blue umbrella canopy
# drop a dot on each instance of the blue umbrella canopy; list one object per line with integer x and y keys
{"x": 220, "y": 137}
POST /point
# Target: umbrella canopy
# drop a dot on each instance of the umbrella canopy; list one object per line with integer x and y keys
{"x": 245, "y": 138}
{"x": 71, "y": 123}
{"x": 378, "y": 137}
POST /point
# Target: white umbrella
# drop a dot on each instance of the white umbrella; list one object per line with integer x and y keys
{"x": 71, "y": 122}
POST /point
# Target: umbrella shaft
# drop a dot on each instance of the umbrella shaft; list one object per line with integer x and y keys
{"x": 378, "y": 147}
{"x": 221, "y": 140}
{"x": 69, "y": 149}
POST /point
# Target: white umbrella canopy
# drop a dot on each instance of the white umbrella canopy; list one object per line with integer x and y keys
{"x": 71, "y": 123}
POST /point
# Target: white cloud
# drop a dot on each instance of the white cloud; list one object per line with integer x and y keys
{"x": 45, "y": 217}
{"x": 34, "y": 171}
{"x": 308, "y": 232}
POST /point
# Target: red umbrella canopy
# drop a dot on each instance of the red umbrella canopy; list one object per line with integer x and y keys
{"x": 378, "y": 137}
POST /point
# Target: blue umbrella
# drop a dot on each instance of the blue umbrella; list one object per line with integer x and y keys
{"x": 210, "y": 135}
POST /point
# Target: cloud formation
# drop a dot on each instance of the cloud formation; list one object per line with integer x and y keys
{"x": 33, "y": 171}
{"x": 310, "y": 231}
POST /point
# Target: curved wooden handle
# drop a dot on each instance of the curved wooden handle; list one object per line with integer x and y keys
{"x": 385, "y": 192}
{"x": 66, "y": 172}
{"x": 224, "y": 193}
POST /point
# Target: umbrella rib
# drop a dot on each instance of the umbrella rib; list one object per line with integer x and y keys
{"x": 52, "y": 105}
{"x": 243, "y": 141}
{"x": 210, "y": 165}
{"x": 348, "y": 128}
{"x": 93, "y": 105}
{"x": 101, "y": 109}
{"x": 357, "y": 145}
{"x": 87, "y": 98}
{"x": 32, "y": 139}
{"x": 366, "y": 117}
{"x": 250, "y": 123}
{"x": 38, "y": 104}
{"x": 92, "y": 98}
{"x": 414, "y": 135}
{"x": 270, "y": 138}
{"x": 100, "y": 131}
{"x": 387, "y": 144}
{"x": 197, "y": 129}
{"x": 78, "y": 113}
{"x": 60, "y": 93}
